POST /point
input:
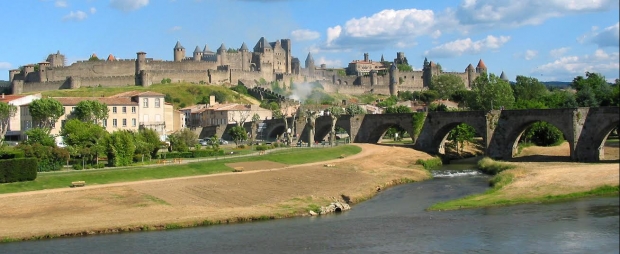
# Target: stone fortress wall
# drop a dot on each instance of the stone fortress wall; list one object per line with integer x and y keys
{"x": 269, "y": 61}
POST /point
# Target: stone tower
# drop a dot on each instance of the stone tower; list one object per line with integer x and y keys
{"x": 393, "y": 79}
{"x": 366, "y": 58}
{"x": 481, "y": 67}
{"x": 286, "y": 45}
{"x": 43, "y": 71}
{"x": 179, "y": 52}
{"x": 56, "y": 60}
{"x": 197, "y": 54}
{"x": 471, "y": 74}
{"x": 373, "y": 77}
{"x": 140, "y": 67}
{"x": 310, "y": 64}
{"x": 401, "y": 59}
{"x": 221, "y": 55}
{"x": 245, "y": 57}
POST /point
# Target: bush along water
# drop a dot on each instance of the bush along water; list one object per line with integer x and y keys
{"x": 429, "y": 164}
{"x": 492, "y": 167}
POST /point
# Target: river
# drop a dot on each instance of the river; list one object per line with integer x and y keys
{"x": 395, "y": 221}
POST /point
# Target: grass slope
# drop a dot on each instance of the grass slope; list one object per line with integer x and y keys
{"x": 94, "y": 177}
{"x": 186, "y": 93}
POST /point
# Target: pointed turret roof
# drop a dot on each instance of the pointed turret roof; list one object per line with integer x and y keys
{"x": 432, "y": 64}
{"x": 206, "y": 49}
{"x": 222, "y": 48}
{"x": 178, "y": 46}
{"x": 111, "y": 57}
{"x": 470, "y": 67}
{"x": 481, "y": 64}
{"x": 309, "y": 57}
{"x": 503, "y": 76}
{"x": 244, "y": 47}
{"x": 262, "y": 43}
{"x": 197, "y": 50}
{"x": 382, "y": 59}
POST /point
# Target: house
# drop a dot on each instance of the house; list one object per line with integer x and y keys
{"x": 132, "y": 110}
{"x": 14, "y": 130}
{"x": 233, "y": 113}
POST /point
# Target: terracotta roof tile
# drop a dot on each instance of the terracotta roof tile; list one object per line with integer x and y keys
{"x": 481, "y": 64}
{"x": 10, "y": 97}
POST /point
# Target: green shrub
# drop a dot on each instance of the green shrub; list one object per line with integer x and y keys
{"x": 431, "y": 163}
{"x": 18, "y": 170}
{"x": 492, "y": 167}
{"x": 77, "y": 166}
{"x": 10, "y": 153}
{"x": 262, "y": 147}
{"x": 206, "y": 153}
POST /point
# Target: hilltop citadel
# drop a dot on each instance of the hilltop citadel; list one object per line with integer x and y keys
{"x": 269, "y": 61}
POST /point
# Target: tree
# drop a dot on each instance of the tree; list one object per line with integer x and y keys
{"x": 586, "y": 97}
{"x": 446, "y": 85}
{"x": 45, "y": 112}
{"x": 86, "y": 138}
{"x": 490, "y": 92}
{"x": 7, "y": 111}
{"x": 404, "y": 67}
{"x": 398, "y": 109}
{"x": 560, "y": 99}
{"x": 91, "y": 111}
{"x": 529, "y": 89}
{"x": 334, "y": 113}
{"x": 390, "y": 101}
{"x": 462, "y": 134}
{"x": 120, "y": 148}
{"x": 255, "y": 119}
{"x": 238, "y": 134}
{"x": 429, "y": 96}
{"x": 182, "y": 140}
{"x": 542, "y": 134}
{"x": 354, "y": 109}
{"x": 39, "y": 136}
{"x": 151, "y": 138}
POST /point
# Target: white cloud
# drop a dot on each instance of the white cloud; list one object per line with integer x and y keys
{"x": 556, "y": 53}
{"x": 174, "y": 29}
{"x": 530, "y": 54}
{"x": 92, "y": 10}
{"x": 5, "y": 65}
{"x": 128, "y": 5}
{"x": 330, "y": 63}
{"x": 514, "y": 13}
{"x": 387, "y": 27}
{"x": 467, "y": 46}
{"x": 568, "y": 67}
{"x": 608, "y": 37}
{"x": 304, "y": 35}
{"x": 76, "y": 16}
{"x": 60, "y": 3}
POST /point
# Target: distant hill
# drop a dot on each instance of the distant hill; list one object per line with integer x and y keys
{"x": 4, "y": 83}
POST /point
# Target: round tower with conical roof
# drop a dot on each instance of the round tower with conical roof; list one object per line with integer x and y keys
{"x": 179, "y": 52}
{"x": 481, "y": 67}
{"x": 310, "y": 64}
{"x": 504, "y": 77}
{"x": 222, "y": 58}
{"x": 245, "y": 57}
{"x": 197, "y": 54}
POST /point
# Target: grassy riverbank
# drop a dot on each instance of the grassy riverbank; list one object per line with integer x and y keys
{"x": 128, "y": 174}
{"x": 526, "y": 184}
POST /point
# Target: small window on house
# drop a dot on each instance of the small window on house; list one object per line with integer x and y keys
{"x": 114, "y": 123}
{"x": 133, "y": 110}
{"x": 114, "y": 110}
{"x": 105, "y": 122}
{"x": 124, "y": 110}
{"x": 157, "y": 102}
{"x": 145, "y": 103}
{"x": 133, "y": 122}
{"x": 124, "y": 122}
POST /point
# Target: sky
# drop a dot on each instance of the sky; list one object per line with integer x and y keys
{"x": 552, "y": 40}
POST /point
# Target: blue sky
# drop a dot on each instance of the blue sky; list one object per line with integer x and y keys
{"x": 552, "y": 40}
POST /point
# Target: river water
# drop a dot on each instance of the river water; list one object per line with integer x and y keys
{"x": 395, "y": 221}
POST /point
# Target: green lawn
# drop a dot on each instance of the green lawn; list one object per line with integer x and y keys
{"x": 128, "y": 174}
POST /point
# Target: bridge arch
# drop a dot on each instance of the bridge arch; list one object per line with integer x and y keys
{"x": 440, "y": 137}
{"x": 599, "y": 123}
{"x": 374, "y": 126}
{"x": 513, "y": 137}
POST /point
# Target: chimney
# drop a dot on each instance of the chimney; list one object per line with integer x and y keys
{"x": 212, "y": 100}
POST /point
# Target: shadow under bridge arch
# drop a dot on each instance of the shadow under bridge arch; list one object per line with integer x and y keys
{"x": 373, "y": 127}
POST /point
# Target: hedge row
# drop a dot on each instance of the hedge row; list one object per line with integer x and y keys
{"x": 192, "y": 154}
{"x": 18, "y": 170}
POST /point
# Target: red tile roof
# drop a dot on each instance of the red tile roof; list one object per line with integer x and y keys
{"x": 10, "y": 97}
{"x": 481, "y": 64}
{"x": 71, "y": 101}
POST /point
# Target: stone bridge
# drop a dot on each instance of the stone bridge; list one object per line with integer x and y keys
{"x": 585, "y": 129}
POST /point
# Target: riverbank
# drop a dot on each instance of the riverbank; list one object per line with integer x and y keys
{"x": 540, "y": 181}
{"x": 268, "y": 191}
